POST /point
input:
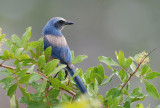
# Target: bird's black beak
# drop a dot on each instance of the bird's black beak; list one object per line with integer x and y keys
{"x": 69, "y": 23}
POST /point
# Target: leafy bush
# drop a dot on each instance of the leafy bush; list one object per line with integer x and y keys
{"x": 33, "y": 70}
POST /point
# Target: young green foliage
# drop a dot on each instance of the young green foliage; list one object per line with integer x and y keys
{"x": 34, "y": 69}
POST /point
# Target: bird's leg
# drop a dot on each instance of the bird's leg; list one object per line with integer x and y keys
{"x": 56, "y": 75}
{"x": 57, "y": 72}
{"x": 66, "y": 74}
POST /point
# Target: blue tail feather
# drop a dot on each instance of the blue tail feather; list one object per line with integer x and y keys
{"x": 77, "y": 80}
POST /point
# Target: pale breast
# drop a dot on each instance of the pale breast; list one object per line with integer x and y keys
{"x": 56, "y": 40}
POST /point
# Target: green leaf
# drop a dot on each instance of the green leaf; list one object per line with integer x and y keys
{"x": 61, "y": 75}
{"x": 41, "y": 87}
{"x": 72, "y": 53}
{"x": 16, "y": 40}
{"x": 40, "y": 48}
{"x": 25, "y": 79}
{"x": 9, "y": 43}
{"x": 65, "y": 98}
{"x": 23, "y": 57}
{"x": 18, "y": 52}
{"x": 25, "y": 94}
{"x": 101, "y": 70}
{"x": 22, "y": 73}
{"x": 90, "y": 89}
{"x": 47, "y": 53}
{"x": 133, "y": 66}
{"x": 17, "y": 104}
{"x": 31, "y": 45}
{"x": 128, "y": 86}
{"x": 53, "y": 93}
{"x": 127, "y": 63}
{"x": 76, "y": 73}
{"x": 1, "y": 37}
{"x": 11, "y": 90}
{"x": 35, "y": 77}
{"x": 139, "y": 106}
{"x": 127, "y": 104}
{"x": 26, "y": 36}
{"x": 58, "y": 84}
{"x": 109, "y": 101}
{"x": 18, "y": 66}
{"x": 57, "y": 69}
{"x": 97, "y": 76}
{"x": 33, "y": 55}
{"x": 79, "y": 59}
{"x": 96, "y": 88}
{"x": 114, "y": 92}
{"x": 50, "y": 66}
{"x": 152, "y": 75}
{"x": 117, "y": 101}
{"x": 122, "y": 74}
{"x": 34, "y": 85}
{"x": 109, "y": 79}
{"x": 38, "y": 105}
{"x": 41, "y": 62}
{"x": 107, "y": 61}
{"x": 6, "y": 80}
{"x": 145, "y": 69}
{"x": 137, "y": 93}
{"x": 151, "y": 90}
{"x": 13, "y": 101}
{"x": 6, "y": 73}
{"x": 121, "y": 58}
{"x": 6, "y": 55}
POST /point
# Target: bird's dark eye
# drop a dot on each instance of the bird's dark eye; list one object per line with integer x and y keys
{"x": 61, "y": 21}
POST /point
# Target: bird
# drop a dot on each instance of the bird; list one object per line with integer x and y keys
{"x": 52, "y": 36}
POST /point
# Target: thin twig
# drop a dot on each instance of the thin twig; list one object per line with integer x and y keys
{"x": 5, "y": 66}
{"x": 131, "y": 75}
{"x": 72, "y": 93}
{"x": 3, "y": 61}
{"x": 46, "y": 95}
{"x": 13, "y": 68}
{"x": 42, "y": 74}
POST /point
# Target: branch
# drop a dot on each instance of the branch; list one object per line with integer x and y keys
{"x": 131, "y": 75}
{"x": 13, "y": 68}
{"x": 5, "y": 66}
{"x": 72, "y": 93}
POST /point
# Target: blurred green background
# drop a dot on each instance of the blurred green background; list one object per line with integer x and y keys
{"x": 101, "y": 27}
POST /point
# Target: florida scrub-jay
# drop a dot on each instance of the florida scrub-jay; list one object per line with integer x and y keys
{"x": 52, "y": 36}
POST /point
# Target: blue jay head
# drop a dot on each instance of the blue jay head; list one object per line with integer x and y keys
{"x": 55, "y": 25}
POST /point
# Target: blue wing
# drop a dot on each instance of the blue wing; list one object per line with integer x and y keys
{"x": 58, "y": 52}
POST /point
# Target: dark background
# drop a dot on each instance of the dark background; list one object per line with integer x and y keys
{"x": 101, "y": 27}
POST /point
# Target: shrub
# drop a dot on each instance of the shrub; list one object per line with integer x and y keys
{"x": 33, "y": 70}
